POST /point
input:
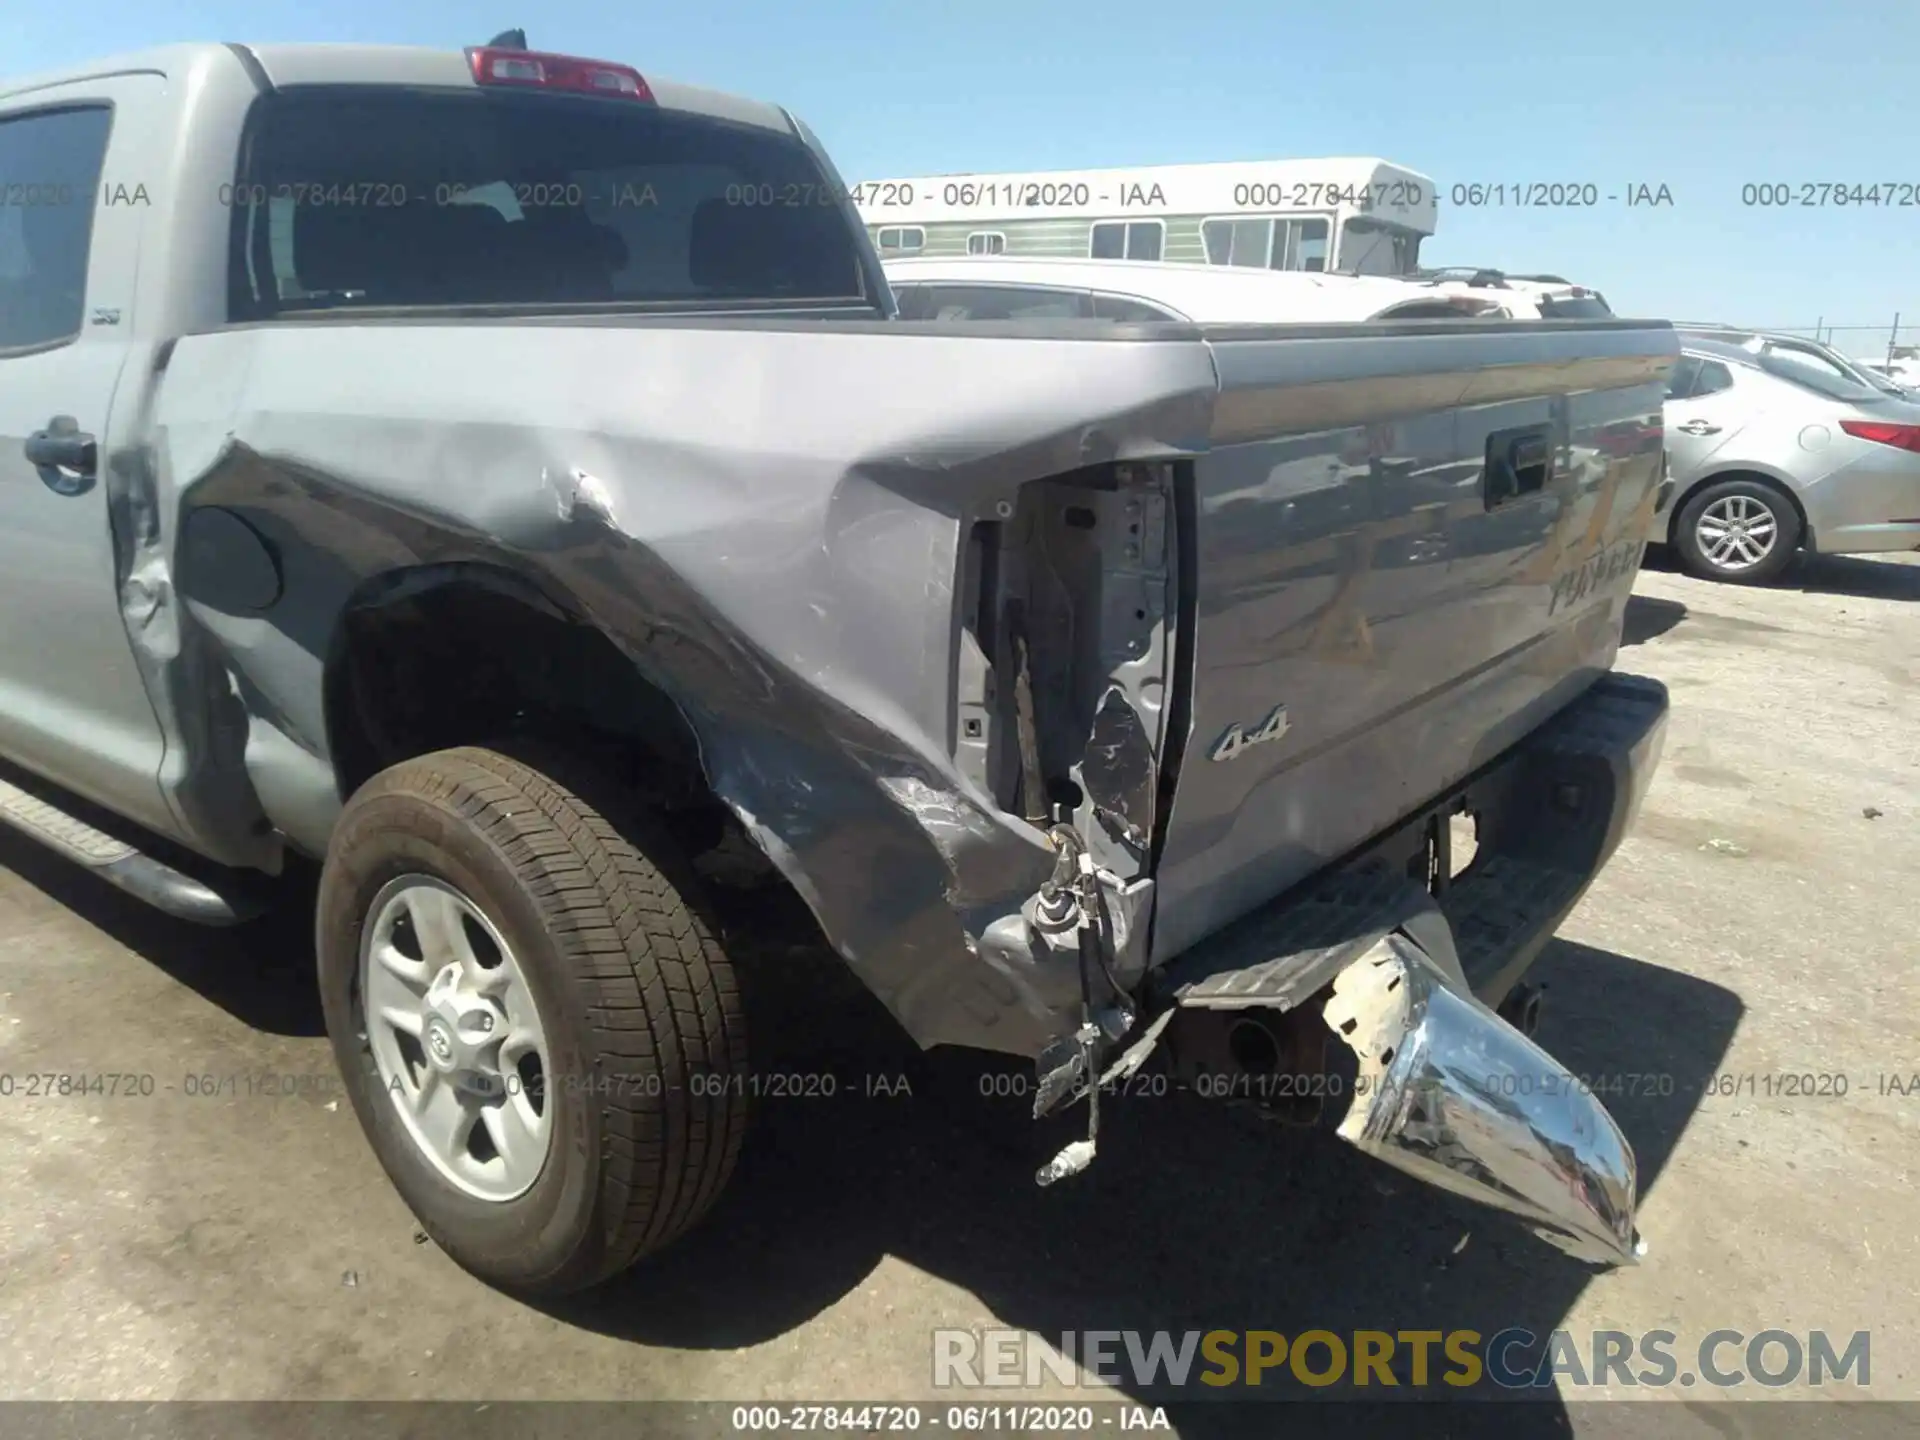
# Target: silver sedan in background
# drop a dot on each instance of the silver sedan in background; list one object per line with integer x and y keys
{"x": 1777, "y": 444}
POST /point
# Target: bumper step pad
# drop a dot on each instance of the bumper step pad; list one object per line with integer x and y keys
{"x": 1447, "y": 1090}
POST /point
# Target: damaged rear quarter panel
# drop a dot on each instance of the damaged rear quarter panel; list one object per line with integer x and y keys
{"x": 766, "y": 517}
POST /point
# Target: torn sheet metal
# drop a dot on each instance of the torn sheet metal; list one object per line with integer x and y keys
{"x": 1119, "y": 770}
{"x": 1453, "y": 1095}
{"x": 766, "y": 518}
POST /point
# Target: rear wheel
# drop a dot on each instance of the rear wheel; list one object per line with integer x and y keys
{"x": 542, "y": 1040}
{"x": 1744, "y": 531}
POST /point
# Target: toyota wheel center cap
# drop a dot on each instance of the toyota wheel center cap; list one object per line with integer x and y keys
{"x": 440, "y": 1047}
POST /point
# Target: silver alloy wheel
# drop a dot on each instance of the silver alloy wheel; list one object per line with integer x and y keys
{"x": 456, "y": 1037}
{"x": 1736, "y": 532}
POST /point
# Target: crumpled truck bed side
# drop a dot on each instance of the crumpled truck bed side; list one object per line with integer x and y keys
{"x": 769, "y": 521}
{"x": 828, "y": 543}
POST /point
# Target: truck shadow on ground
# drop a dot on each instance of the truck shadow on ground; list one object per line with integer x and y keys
{"x": 261, "y": 973}
{"x": 1648, "y": 617}
{"x": 1194, "y": 1216}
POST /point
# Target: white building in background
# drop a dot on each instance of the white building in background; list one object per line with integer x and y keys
{"x": 1363, "y": 216}
{"x": 1901, "y": 369}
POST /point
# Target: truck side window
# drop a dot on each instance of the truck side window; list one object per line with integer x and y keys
{"x": 50, "y": 164}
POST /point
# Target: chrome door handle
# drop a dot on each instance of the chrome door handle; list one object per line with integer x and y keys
{"x": 1697, "y": 427}
{"x": 62, "y": 446}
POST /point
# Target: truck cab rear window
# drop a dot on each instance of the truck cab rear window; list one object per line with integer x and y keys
{"x": 362, "y": 197}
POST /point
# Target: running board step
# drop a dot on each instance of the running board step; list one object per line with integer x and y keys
{"x": 122, "y": 864}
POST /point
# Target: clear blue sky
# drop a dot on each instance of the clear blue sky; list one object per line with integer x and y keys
{"x": 1700, "y": 97}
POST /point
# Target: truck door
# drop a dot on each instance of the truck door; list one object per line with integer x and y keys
{"x": 73, "y": 707}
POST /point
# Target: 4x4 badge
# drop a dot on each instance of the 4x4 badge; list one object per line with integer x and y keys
{"x": 1236, "y": 739}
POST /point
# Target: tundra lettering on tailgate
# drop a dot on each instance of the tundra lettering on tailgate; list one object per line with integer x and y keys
{"x": 1598, "y": 569}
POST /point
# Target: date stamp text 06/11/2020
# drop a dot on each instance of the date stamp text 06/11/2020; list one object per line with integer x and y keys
{"x": 1470, "y": 195}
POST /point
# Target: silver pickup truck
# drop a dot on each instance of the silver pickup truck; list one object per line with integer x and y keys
{"x": 502, "y": 477}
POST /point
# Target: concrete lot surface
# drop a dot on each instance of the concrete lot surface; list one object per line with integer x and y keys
{"x": 1760, "y": 922}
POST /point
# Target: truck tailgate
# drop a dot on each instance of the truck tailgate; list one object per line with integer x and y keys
{"x": 1404, "y": 554}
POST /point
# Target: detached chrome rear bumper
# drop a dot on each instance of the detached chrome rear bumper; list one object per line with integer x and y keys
{"x": 1453, "y": 1095}
{"x": 1447, "y": 1090}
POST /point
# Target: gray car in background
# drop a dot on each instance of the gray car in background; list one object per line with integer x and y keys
{"x": 1777, "y": 444}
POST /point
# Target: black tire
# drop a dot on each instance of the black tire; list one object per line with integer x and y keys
{"x": 630, "y": 986}
{"x": 1786, "y": 533}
